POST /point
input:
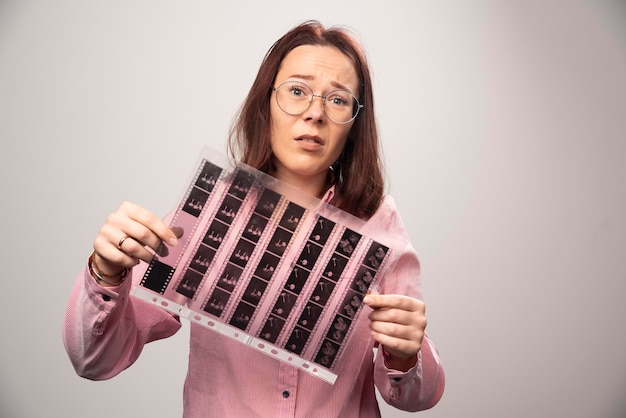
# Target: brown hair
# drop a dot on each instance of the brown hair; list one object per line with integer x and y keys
{"x": 249, "y": 139}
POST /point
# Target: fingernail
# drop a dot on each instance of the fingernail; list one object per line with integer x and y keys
{"x": 162, "y": 250}
{"x": 178, "y": 231}
{"x": 367, "y": 299}
{"x": 172, "y": 242}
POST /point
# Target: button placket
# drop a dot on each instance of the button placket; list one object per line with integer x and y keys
{"x": 288, "y": 380}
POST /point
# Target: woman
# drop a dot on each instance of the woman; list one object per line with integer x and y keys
{"x": 309, "y": 121}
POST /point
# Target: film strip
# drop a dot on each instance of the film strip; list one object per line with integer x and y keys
{"x": 267, "y": 265}
{"x": 187, "y": 217}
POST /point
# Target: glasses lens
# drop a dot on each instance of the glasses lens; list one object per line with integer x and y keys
{"x": 341, "y": 106}
{"x": 293, "y": 97}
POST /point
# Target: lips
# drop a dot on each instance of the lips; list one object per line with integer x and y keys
{"x": 313, "y": 139}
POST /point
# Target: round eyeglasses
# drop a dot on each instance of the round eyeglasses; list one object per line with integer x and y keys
{"x": 294, "y": 98}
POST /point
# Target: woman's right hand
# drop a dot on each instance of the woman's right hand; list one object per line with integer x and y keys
{"x": 127, "y": 234}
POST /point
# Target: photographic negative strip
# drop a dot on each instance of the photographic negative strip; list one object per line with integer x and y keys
{"x": 267, "y": 265}
{"x": 297, "y": 279}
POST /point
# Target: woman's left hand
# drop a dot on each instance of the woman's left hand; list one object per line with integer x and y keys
{"x": 398, "y": 323}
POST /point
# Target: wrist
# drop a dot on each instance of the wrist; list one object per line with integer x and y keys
{"x": 102, "y": 277}
{"x": 402, "y": 364}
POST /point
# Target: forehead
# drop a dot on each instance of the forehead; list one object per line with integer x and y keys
{"x": 319, "y": 65}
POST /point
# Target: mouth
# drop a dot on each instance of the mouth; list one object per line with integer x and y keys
{"x": 311, "y": 139}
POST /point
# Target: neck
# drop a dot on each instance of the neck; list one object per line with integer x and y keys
{"x": 314, "y": 185}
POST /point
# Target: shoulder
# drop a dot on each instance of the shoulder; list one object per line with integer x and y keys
{"x": 387, "y": 217}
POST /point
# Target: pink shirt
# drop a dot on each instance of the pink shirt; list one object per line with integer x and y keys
{"x": 105, "y": 330}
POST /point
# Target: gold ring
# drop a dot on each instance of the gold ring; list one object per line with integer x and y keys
{"x": 121, "y": 241}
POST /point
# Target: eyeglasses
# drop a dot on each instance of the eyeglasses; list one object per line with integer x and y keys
{"x": 294, "y": 98}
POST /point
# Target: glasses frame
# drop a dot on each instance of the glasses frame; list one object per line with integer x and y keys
{"x": 359, "y": 106}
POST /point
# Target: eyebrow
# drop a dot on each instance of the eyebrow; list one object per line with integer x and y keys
{"x": 332, "y": 83}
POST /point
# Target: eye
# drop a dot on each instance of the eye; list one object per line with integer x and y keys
{"x": 339, "y": 98}
{"x": 297, "y": 91}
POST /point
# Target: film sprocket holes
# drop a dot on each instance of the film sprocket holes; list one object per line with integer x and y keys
{"x": 267, "y": 265}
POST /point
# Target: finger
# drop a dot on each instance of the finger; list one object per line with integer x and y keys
{"x": 397, "y": 336}
{"x": 394, "y": 316}
{"x": 386, "y": 328}
{"x": 402, "y": 302}
{"x": 395, "y": 329}
{"x": 128, "y": 231}
{"x": 135, "y": 231}
{"x": 398, "y": 347}
{"x": 112, "y": 257}
{"x": 126, "y": 236}
{"x": 154, "y": 225}
{"x": 162, "y": 250}
{"x": 140, "y": 225}
{"x": 120, "y": 248}
{"x": 135, "y": 249}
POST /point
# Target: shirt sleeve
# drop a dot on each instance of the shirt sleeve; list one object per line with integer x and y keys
{"x": 422, "y": 386}
{"x": 105, "y": 329}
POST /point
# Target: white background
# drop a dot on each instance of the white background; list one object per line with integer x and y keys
{"x": 504, "y": 128}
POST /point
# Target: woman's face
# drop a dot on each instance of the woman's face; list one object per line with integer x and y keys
{"x": 305, "y": 145}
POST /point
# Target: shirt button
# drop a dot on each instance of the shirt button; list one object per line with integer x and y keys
{"x": 393, "y": 394}
{"x": 285, "y": 394}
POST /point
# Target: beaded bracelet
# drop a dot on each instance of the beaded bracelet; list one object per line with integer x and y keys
{"x": 97, "y": 274}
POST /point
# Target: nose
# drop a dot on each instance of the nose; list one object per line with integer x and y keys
{"x": 316, "y": 110}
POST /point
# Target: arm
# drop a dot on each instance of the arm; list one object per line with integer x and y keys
{"x": 407, "y": 369}
{"x": 419, "y": 388}
{"x": 105, "y": 329}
